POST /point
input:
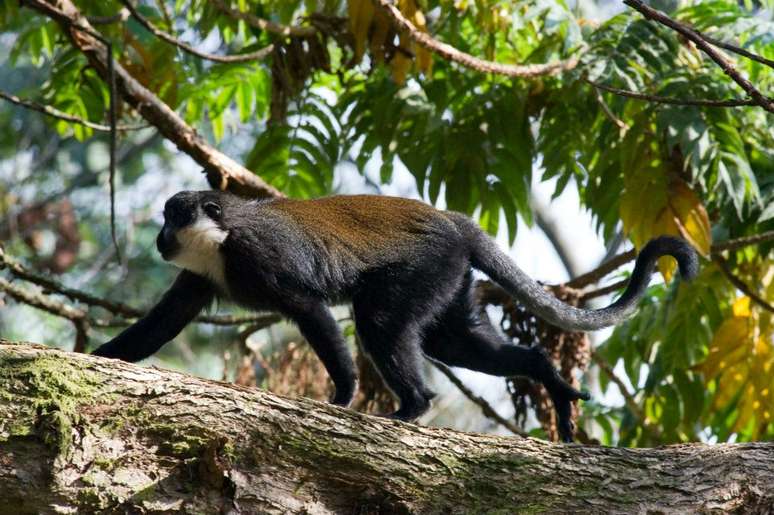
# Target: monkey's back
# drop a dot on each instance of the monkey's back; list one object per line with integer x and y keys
{"x": 371, "y": 228}
{"x": 327, "y": 247}
{"x": 363, "y": 232}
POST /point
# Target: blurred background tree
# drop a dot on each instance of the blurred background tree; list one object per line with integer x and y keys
{"x": 584, "y": 122}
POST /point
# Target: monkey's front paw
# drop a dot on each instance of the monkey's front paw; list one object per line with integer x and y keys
{"x": 106, "y": 350}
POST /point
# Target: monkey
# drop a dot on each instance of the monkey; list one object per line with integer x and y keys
{"x": 405, "y": 267}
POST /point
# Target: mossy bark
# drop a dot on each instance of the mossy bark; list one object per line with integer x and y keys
{"x": 83, "y": 434}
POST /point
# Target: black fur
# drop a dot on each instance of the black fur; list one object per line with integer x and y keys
{"x": 405, "y": 267}
{"x": 188, "y": 295}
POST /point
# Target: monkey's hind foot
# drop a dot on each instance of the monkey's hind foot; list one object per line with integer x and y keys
{"x": 563, "y": 395}
{"x": 410, "y": 412}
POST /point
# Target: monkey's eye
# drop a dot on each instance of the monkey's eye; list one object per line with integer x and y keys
{"x": 212, "y": 210}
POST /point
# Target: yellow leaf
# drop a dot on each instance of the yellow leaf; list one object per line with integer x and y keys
{"x": 741, "y": 360}
{"x": 747, "y": 408}
{"x": 424, "y": 57}
{"x": 424, "y": 61}
{"x": 360, "y": 14}
{"x": 730, "y": 344}
{"x": 729, "y": 384}
{"x": 690, "y": 215}
{"x": 741, "y": 307}
{"x": 664, "y": 224}
{"x": 400, "y": 65}
{"x": 644, "y": 197}
{"x": 655, "y": 203}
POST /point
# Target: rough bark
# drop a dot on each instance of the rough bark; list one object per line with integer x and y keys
{"x": 84, "y": 434}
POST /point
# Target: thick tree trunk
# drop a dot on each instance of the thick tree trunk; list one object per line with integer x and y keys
{"x": 82, "y": 434}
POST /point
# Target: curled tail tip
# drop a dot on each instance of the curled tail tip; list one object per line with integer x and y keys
{"x": 680, "y": 249}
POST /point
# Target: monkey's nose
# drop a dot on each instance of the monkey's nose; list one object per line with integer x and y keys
{"x": 166, "y": 243}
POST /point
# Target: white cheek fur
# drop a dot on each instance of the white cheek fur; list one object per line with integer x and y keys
{"x": 200, "y": 250}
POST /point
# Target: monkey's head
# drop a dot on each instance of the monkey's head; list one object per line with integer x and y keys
{"x": 194, "y": 230}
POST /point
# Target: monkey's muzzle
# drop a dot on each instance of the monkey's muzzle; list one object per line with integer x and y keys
{"x": 167, "y": 243}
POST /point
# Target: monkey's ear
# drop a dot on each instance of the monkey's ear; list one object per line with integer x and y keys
{"x": 212, "y": 209}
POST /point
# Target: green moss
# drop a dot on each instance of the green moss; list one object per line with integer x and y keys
{"x": 146, "y": 494}
{"x": 103, "y": 463}
{"x": 229, "y": 452}
{"x": 182, "y": 442}
{"x": 57, "y": 388}
{"x": 93, "y": 498}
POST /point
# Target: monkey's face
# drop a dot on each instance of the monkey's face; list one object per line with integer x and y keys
{"x": 193, "y": 232}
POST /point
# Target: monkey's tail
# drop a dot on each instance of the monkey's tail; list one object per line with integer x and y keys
{"x": 487, "y": 257}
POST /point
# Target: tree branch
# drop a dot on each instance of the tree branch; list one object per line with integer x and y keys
{"x": 149, "y": 440}
{"x": 602, "y": 270}
{"x": 609, "y": 266}
{"x": 546, "y": 222}
{"x": 223, "y": 172}
{"x": 42, "y": 301}
{"x": 601, "y": 292}
{"x": 267, "y": 25}
{"x": 629, "y": 399}
{"x": 486, "y": 408}
{"x": 450, "y": 53}
{"x": 239, "y": 58}
{"x": 623, "y": 126}
{"x": 744, "y": 241}
{"x": 739, "y": 284}
{"x": 673, "y": 101}
{"x": 61, "y": 115}
{"x": 117, "y": 308}
{"x": 737, "y": 50}
{"x": 702, "y": 44}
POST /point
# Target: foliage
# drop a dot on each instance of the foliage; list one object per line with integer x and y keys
{"x": 698, "y": 355}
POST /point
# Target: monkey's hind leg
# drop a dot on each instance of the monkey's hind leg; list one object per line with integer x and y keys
{"x": 462, "y": 338}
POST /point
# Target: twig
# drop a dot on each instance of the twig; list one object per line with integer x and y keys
{"x": 736, "y": 49}
{"x": 42, "y": 301}
{"x": 451, "y": 53}
{"x": 673, "y": 101}
{"x": 111, "y": 81}
{"x": 744, "y": 241}
{"x": 606, "y": 109}
{"x": 61, "y": 115}
{"x": 629, "y": 399}
{"x": 550, "y": 229}
{"x": 583, "y": 297}
{"x": 113, "y": 139}
{"x": 121, "y": 16}
{"x": 739, "y": 284}
{"x": 602, "y": 270}
{"x": 486, "y": 408}
{"x": 117, "y": 308}
{"x": 267, "y": 25}
{"x": 607, "y": 267}
{"x": 162, "y": 6}
{"x": 702, "y": 44}
{"x": 81, "y": 335}
{"x": 239, "y": 58}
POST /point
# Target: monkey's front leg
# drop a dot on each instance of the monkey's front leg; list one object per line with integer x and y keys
{"x": 189, "y": 294}
{"x": 323, "y": 334}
